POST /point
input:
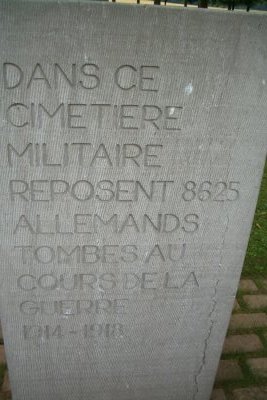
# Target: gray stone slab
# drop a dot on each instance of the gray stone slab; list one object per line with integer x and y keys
{"x": 124, "y": 226}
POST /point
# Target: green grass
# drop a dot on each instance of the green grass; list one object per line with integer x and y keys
{"x": 256, "y": 258}
{"x": 2, "y": 373}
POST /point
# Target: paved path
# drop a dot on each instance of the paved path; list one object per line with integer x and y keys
{"x": 242, "y": 373}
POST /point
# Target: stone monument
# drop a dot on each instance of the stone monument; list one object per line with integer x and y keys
{"x": 133, "y": 140}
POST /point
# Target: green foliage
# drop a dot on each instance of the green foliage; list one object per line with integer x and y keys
{"x": 256, "y": 258}
{"x": 2, "y": 373}
{"x": 232, "y": 4}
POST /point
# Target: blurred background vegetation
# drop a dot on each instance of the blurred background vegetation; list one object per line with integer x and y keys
{"x": 231, "y": 5}
{"x": 239, "y": 4}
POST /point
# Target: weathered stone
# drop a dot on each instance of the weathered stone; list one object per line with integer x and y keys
{"x": 228, "y": 370}
{"x": 258, "y": 366}
{"x": 218, "y": 394}
{"x": 132, "y": 144}
{"x": 247, "y": 285}
{"x": 256, "y": 301}
{"x": 246, "y": 321}
{"x": 254, "y": 393}
{"x": 242, "y": 343}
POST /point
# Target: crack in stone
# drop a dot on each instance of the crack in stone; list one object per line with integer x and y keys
{"x": 203, "y": 361}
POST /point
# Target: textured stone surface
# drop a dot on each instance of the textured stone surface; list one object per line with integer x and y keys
{"x": 228, "y": 370}
{"x": 132, "y": 146}
{"x": 258, "y": 366}
{"x": 256, "y": 301}
{"x": 243, "y": 321}
{"x": 242, "y": 343}
{"x": 256, "y": 393}
{"x": 247, "y": 285}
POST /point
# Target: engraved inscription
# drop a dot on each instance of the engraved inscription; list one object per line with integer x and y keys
{"x": 88, "y": 331}
{"x": 94, "y": 223}
{"x": 83, "y": 190}
{"x": 86, "y": 154}
{"x": 211, "y": 191}
{"x": 93, "y": 254}
{"x": 75, "y": 307}
{"x": 109, "y": 275}
{"x": 83, "y": 76}
{"x": 107, "y": 281}
{"x": 79, "y": 116}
